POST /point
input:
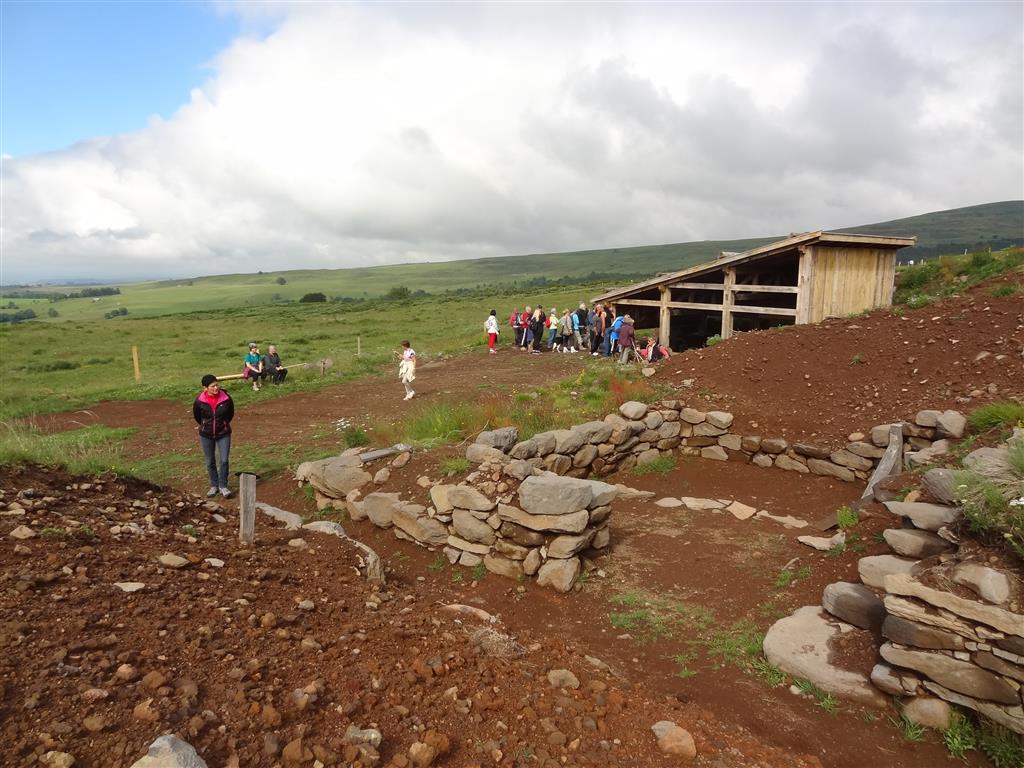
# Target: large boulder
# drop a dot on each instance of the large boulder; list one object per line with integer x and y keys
{"x": 941, "y": 484}
{"x": 594, "y": 431}
{"x": 334, "y": 477}
{"x": 478, "y": 454}
{"x": 503, "y": 566}
{"x": 799, "y": 646}
{"x": 503, "y": 439}
{"x": 633, "y": 410}
{"x": 561, "y": 575}
{"x": 380, "y": 508}
{"x": 549, "y": 494}
{"x": 988, "y": 583}
{"x": 568, "y": 440}
{"x": 951, "y": 424}
{"x": 468, "y": 497}
{"x": 567, "y": 546}
{"x": 468, "y": 527}
{"x": 855, "y": 604}
{"x": 413, "y": 519}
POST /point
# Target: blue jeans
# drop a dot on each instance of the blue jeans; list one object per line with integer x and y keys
{"x": 211, "y": 447}
{"x": 551, "y": 336}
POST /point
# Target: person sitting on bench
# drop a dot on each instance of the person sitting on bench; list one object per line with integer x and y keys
{"x": 272, "y": 367}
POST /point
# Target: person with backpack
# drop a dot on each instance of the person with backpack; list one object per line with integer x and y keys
{"x": 491, "y": 329}
{"x": 213, "y": 410}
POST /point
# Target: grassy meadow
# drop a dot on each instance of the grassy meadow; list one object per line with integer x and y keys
{"x": 58, "y": 366}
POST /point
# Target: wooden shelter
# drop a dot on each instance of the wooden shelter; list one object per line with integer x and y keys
{"x": 802, "y": 279}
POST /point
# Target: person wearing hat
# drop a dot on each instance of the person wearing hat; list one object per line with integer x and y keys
{"x": 213, "y": 410}
{"x": 253, "y": 370}
{"x": 626, "y": 339}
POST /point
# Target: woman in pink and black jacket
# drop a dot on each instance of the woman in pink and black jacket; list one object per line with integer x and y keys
{"x": 213, "y": 410}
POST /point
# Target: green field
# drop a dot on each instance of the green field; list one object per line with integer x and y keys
{"x": 943, "y": 232}
{"x": 64, "y": 365}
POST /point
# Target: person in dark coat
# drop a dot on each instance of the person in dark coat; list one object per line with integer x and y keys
{"x": 272, "y": 367}
{"x": 213, "y": 410}
{"x": 626, "y": 339}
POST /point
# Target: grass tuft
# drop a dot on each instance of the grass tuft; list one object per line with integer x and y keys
{"x": 1005, "y": 414}
{"x": 661, "y": 466}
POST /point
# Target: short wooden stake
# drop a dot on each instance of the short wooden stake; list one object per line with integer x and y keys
{"x": 359, "y": 345}
{"x": 247, "y": 509}
{"x": 135, "y": 362}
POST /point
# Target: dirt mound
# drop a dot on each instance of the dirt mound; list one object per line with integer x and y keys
{"x": 849, "y": 374}
{"x": 259, "y": 655}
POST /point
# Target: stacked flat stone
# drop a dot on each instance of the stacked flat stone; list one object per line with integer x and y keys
{"x": 559, "y": 521}
{"x": 638, "y": 433}
{"x": 940, "y": 646}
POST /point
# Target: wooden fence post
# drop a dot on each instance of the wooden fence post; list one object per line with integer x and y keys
{"x": 135, "y": 362}
{"x": 359, "y": 346}
{"x": 247, "y": 508}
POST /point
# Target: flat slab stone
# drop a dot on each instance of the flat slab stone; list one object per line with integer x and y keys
{"x": 799, "y": 646}
{"x": 875, "y": 568}
{"x": 821, "y": 543}
{"x": 988, "y": 583}
{"x": 700, "y": 505}
{"x": 1004, "y": 621}
{"x": 171, "y": 560}
{"x": 170, "y": 752}
{"x": 292, "y": 521}
{"x": 913, "y": 543}
{"x": 955, "y": 674}
{"x": 669, "y": 502}
{"x": 928, "y": 517}
{"x": 467, "y": 497}
{"x": 788, "y": 521}
{"x": 941, "y": 484}
{"x": 741, "y": 511}
{"x": 129, "y": 586}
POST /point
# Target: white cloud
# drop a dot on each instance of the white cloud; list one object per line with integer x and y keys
{"x": 356, "y": 134}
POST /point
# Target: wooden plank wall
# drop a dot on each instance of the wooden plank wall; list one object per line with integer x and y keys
{"x": 849, "y": 280}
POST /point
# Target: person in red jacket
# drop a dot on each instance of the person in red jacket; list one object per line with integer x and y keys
{"x": 213, "y": 410}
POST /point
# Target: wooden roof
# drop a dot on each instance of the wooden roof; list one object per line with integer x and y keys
{"x": 780, "y": 246}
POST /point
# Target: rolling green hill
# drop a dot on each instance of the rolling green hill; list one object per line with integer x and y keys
{"x": 996, "y": 224}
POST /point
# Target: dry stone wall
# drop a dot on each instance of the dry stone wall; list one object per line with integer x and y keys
{"x": 951, "y": 623}
{"x": 639, "y": 433}
{"x": 530, "y": 523}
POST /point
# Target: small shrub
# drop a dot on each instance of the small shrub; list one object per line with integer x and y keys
{"x": 919, "y": 300}
{"x": 454, "y": 465}
{"x": 961, "y": 736}
{"x": 312, "y": 298}
{"x": 713, "y": 341}
{"x": 1004, "y": 414}
{"x": 53, "y": 533}
{"x": 661, "y": 465}
{"x": 355, "y": 437}
{"x": 1002, "y": 290}
{"x": 479, "y": 572}
{"x": 190, "y": 530}
{"x": 846, "y": 517}
{"x": 911, "y": 731}
{"x": 856, "y": 360}
{"x": 771, "y": 675}
{"x": 437, "y": 564}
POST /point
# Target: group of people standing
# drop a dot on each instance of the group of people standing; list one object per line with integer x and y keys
{"x": 599, "y": 330}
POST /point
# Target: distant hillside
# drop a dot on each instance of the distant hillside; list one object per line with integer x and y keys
{"x": 998, "y": 225}
{"x": 995, "y": 224}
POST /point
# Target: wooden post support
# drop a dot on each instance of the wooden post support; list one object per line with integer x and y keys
{"x": 359, "y": 345}
{"x": 135, "y": 362}
{"x": 246, "y": 508}
{"x": 665, "y": 317}
{"x": 323, "y": 367}
{"x": 728, "y": 297}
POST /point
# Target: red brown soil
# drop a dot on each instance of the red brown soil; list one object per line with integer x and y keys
{"x": 803, "y": 381}
{"x": 709, "y": 559}
{"x": 218, "y": 656}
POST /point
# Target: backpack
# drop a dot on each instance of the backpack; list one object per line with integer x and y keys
{"x": 581, "y": 315}
{"x": 514, "y": 320}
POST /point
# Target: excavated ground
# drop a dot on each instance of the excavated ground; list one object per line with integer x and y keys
{"x": 66, "y": 629}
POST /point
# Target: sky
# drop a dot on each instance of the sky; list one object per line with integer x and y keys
{"x": 167, "y": 139}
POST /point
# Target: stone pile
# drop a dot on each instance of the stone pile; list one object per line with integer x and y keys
{"x": 640, "y": 434}
{"x": 558, "y": 523}
{"x": 952, "y": 630}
